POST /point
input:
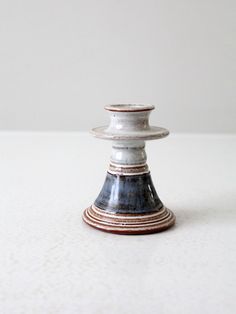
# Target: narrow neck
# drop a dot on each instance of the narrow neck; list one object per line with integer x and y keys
{"x": 128, "y": 158}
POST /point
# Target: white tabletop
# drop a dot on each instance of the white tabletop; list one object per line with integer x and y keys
{"x": 52, "y": 262}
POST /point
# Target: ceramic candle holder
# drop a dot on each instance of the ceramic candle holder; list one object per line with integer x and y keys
{"x": 128, "y": 202}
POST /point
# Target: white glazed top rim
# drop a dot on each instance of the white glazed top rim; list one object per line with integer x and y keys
{"x": 129, "y": 107}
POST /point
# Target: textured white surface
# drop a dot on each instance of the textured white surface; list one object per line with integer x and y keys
{"x": 51, "y": 262}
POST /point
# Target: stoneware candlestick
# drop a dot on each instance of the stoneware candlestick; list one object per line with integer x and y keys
{"x": 128, "y": 202}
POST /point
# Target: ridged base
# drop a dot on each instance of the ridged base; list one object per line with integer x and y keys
{"x": 129, "y": 223}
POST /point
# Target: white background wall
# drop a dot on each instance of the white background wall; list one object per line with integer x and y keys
{"x": 61, "y": 61}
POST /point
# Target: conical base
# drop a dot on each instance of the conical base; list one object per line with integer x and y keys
{"x": 128, "y": 194}
{"x": 129, "y": 223}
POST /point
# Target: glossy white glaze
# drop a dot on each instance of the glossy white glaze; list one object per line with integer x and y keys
{"x": 129, "y": 129}
{"x": 153, "y": 133}
{"x": 129, "y": 107}
{"x": 129, "y": 122}
{"x": 128, "y": 153}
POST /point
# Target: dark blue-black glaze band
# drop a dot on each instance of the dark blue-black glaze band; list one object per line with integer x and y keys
{"x": 128, "y": 194}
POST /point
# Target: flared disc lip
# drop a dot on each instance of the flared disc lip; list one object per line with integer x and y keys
{"x": 152, "y": 133}
{"x": 129, "y": 107}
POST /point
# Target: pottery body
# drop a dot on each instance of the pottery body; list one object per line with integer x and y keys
{"x": 128, "y": 202}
